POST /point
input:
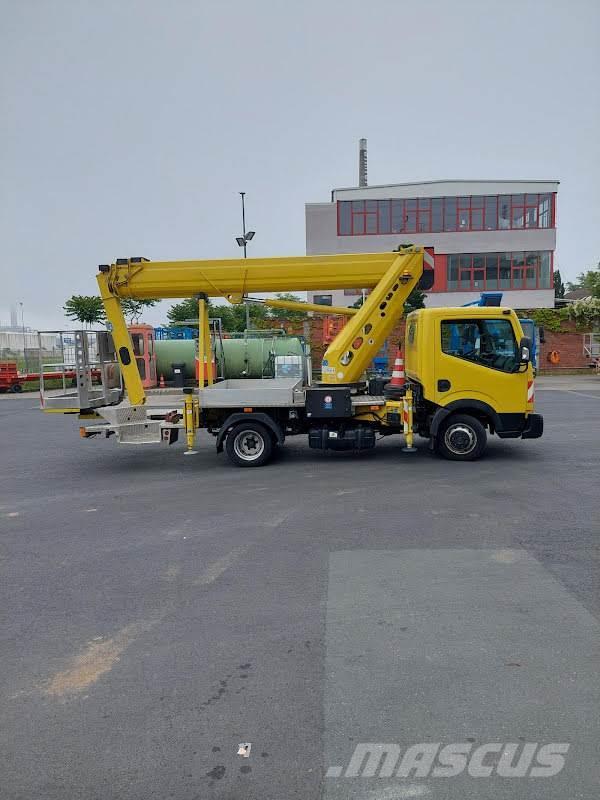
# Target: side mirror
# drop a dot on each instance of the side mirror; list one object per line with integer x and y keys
{"x": 542, "y": 335}
{"x": 525, "y": 348}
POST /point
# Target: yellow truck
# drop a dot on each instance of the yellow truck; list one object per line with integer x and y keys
{"x": 468, "y": 369}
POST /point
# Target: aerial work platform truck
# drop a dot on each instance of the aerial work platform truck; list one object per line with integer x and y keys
{"x": 468, "y": 370}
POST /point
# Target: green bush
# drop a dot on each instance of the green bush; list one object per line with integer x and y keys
{"x": 585, "y": 314}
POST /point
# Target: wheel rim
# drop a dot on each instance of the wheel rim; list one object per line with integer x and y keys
{"x": 460, "y": 439}
{"x": 248, "y": 445}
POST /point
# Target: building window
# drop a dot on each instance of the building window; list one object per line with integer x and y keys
{"x": 424, "y": 215}
{"x": 344, "y": 219}
{"x": 484, "y": 271}
{"x": 384, "y": 216}
{"x": 546, "y": 217}
{"x": 437, "y": 214}
{"x": 322, "y": 299}
{"x": 397, "y": 210}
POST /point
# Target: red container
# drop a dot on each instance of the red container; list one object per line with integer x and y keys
{"x": 9, "y": 377}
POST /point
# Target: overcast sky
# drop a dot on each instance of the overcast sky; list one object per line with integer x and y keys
{"x": 128, "y": 128}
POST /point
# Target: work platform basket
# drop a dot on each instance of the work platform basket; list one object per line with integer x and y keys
{"x": 88, "y": 369}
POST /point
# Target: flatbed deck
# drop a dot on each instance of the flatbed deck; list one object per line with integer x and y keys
{"x": 253, "y": 392}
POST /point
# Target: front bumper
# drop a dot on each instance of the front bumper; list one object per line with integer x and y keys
{"x": 519, "y": 426}
{"x": 534, "y": 427}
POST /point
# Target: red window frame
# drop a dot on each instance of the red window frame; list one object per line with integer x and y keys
{"x": 465, "y": 264}
{"x": 423, "y": 215}
{"x": 467, "y": 207}
{"x": 366, "y": 216}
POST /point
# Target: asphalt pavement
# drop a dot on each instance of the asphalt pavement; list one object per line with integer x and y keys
{"x": 157, "y": 610}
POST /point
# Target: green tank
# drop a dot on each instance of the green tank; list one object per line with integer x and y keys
{"x": 236, "y": 358}
{"x": 175, "y": 351}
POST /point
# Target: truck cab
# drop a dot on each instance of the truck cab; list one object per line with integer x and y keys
{"x": 473, "y": 373}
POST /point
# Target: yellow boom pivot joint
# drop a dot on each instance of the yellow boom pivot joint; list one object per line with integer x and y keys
{"x": 355, "y": 346}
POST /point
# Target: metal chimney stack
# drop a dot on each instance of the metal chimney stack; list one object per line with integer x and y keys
{"x": 362, "y": 162}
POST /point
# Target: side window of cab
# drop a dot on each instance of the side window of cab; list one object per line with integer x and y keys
{"x": 487, "y": 342}
{"x": 412, "y": 333}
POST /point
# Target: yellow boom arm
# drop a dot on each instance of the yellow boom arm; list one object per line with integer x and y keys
{"x": 299, "y": 305}
{"x": 152, "y": 280}
{"x": 355, "y": 346}
{"x": 391, "y": 276}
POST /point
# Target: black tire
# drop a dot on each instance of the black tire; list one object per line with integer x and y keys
{"x": 249, "y": 444}
{"x": 16, "y": 388}
{"x": 461, "y": 437}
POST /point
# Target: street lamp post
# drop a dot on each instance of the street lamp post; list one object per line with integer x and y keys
{"x": 242, "y": 241}
{"x": 244, "y": 223}
{"x": 23, "y": 331}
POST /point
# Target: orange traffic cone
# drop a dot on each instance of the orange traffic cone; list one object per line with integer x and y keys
{"x": 161, "y": 382}
{"x": 397, "y": 386}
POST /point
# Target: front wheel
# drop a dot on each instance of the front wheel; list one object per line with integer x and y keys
{"x": 16, "y": 388}
{"x": 461, "y": 437}
{"x": 249, "y": 444}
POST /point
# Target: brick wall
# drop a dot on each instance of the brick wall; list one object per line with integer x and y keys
{"x": 568, "y": 344}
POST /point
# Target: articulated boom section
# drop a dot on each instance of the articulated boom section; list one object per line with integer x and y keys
{"x": 355, "y": 346}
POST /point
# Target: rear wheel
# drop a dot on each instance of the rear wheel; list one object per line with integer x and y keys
{"x": 461, "y": 437}
{"x": 249, "y": 444}
{"x": 16, "y": 388}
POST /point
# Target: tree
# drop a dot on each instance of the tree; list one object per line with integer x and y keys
{"x": 88, "y": 309}
{"x": 289, "y": 314}
{"x": 416, "y": 299}
{"x": 233, "y": 317}
{"x": 591, "y": 280}
{"x": 132, "y": 309}
{"x": 587, "y": 280}
{"x": 184, "y": 313}
{"x": 559, "y": 287}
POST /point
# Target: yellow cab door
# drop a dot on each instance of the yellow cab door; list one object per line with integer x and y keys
{"x": 477, "y": 357}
